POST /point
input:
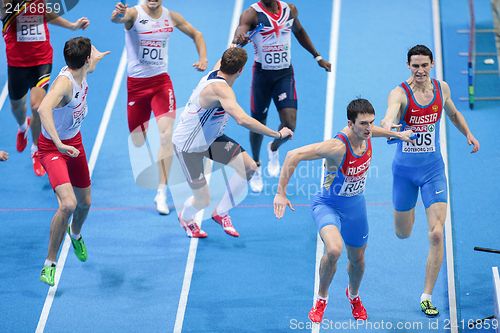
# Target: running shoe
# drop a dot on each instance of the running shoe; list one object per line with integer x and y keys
{"x": 358, "y": 310}
{"x": 318, "y": 310}
{"x": 78, "y": 246}
{"x": 256, "y": 183}
{"x": 37, "y": 165}
{"x": 48, "y": 274}
{"x": 226, "y": 223}
{"x": 273, "y": 166}
{"x": 161, "y": 203}
{"x": 22, "y": 137}
{"x": 429, "y": 309}
{"x": 192, "y": 229}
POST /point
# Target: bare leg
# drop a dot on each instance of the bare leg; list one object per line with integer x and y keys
{"x": 355, "y": 267}
{"x": 36, "y": 96}
{"x": 288, "y": 118}
{"x": 436, "y": 216}
{"x": 83, "y": 201}
{"x": 403, "y": 223}
{"x": 328, "y": 266}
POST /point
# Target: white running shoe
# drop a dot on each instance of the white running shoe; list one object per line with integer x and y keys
{"x": 161, "y": 203}
{"x": 273, "y": 166}
{"x": 256, "y": 183}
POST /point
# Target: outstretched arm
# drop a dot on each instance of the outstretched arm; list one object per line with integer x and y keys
{"x": 81, "y": 23}
{"x": 123, "y": 14}
{"x": 384, "y": 133}
{"x": 395, "y": 103}
{"x": 457, "y": 118}
{"x": 227, "y": 99}
{"x": 60, "y": 91}
{"x": 304, "y": 40}
{"x": 196, "y": 36}
{"x": 95, "y": 57}
{"x": 332, "y": 149}
{"x": 248, "y": 21}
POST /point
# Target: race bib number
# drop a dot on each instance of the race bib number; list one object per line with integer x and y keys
{"x": 425, "y": 142}
{"x": 153, "y": 52}
{"x": 353, "y": 186}
{"x": 30, "y": 28}
{"x": 78, "y": 116}
{"x": 275, "y": 57}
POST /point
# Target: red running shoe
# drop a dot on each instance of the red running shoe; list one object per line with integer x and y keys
{"x": 318, "y": 310}
{"x": 358, "y": 309}
{"x": 37, "y": 165}
{"x": 192, "y": 229}
{"x": 226, "y": 223}
{"x": 22, "y": 138}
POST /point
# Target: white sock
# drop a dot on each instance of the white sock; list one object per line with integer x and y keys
{"x": 24, "y": 126}
{"x": 162, "y": 188}
{"x": 322, "y": 298}
{"x": 49, "y": 262}
{"x": 236, "y": 187}
{"x": 189, "y": 211}
{"x": 34, "y": 149}
{"x": 75, "y": 236}
{"x": 425, "y": 297}
{"x": 351, "y": 296}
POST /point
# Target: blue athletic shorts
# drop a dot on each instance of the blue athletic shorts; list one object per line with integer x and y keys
{"x": 278, "y": 85}
{"x": 431, "y": 180}
{"x": 347, "y": 214}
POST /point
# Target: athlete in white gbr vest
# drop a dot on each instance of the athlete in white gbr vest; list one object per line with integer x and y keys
{"x": 200, "y": 134}
{"x": 61, "y": 150}
{"x": 273, "y": 76}
{"x": 147, "y": 32}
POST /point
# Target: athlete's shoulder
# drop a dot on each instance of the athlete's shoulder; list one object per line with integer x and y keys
{"x": 293, "y": 9}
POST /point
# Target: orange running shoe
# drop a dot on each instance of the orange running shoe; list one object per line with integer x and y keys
{"x": 357, "y": 307}
{"x": 226, "y": 223}
{"x": 318, "y": 310}
{"x": 37, "y": 165}
{"x": 22, "y": 137}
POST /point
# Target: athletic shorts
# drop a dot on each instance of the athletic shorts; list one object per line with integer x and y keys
{"x": 276, "y": 84}
{"x": 148, "y": 94}
{"x": 348, "y": 215}
{"x": 22, "y": 79}
{"x": 222, "y": 150}
{"x": 62, "y": 168}
{"x": 431, "y": 180}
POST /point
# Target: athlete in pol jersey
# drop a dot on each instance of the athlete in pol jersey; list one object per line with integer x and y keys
{"x": 339, "y": 209}
{"x": 418, "y": 104}
{"x": 273, "y": 76}
{"x": 29, "y": 60}
{"x": 61, "y": 150}
{"x": 147, "y": 33}
{"x": 200, "y": 134}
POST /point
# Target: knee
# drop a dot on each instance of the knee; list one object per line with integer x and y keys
{"x": 85, "y": 203}
{"x": 250, "y": 169}
{"x": 68, "y": 206}
{"x": 138, "y": 138}
{"x": 290, "y": 122}
{"x": 436, "y": 235}
{"x": 358, "y": 261}
{"x": 166, "y": 138}
{"x": 333, "y": 253}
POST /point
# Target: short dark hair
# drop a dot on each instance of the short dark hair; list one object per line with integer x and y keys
{"x": 233, "y": 59}
{"x": 76, "y": 52}
{"x": 419, "y": 50}
{"x": 359, "y": 106}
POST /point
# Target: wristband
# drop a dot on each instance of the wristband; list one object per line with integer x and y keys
{"x": 318, "y": 58}
{"x": 281, "y": 136}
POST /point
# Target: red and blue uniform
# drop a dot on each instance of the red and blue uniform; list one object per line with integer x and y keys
{"x": 420, "y": 165}
{"x": 341, "y": 202}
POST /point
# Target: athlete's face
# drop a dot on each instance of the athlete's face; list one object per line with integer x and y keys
{"x": 420, "y": 66}
{"x": 153, "y": 4}
{"x": 268, "y": 3}
{"x": 362, "y": 127}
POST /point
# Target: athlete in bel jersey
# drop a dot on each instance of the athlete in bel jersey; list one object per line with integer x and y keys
{"x": 273, "y": 76}
{"x": 418, "y": 104}
{"x": 147, "y": 33}
{"x": 61, "y": 150}
{"x": 29, "y": 60}
{"x": 339, "y": 209}
{"x": 200, "y": 135}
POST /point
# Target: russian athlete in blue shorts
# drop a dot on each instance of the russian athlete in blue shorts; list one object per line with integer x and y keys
{"x": 273, "y": 77}
{"x": 339, "y": 209}
{"x": 418, "y": 104}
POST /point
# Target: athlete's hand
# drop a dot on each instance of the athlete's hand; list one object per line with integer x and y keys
{"x": 471, "y": 140}
{"x": 4, "y": 156}
{"x": 280, "y": 204}
{"x": 325, "y": 64}
{"x": 285, "y": 133}
{"x": 405, "y": 136}
{"x": 81, "y": 23}
{"x": 97, "y": 55}
{"x": 201, "y": 65}
{"x": 120, "y": 9}
{"x": 68, "y": 150}
{"x": 242, "y": 39}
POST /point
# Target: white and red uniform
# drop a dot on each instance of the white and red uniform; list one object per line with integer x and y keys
{"x": 68, "y": 119}
{"x": 27, "y": 38}
{"x": 148, "y": 84}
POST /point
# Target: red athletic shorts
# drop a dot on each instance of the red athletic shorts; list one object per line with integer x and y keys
{"x": 154, "y": 93}
{"x": 62, "y": 168}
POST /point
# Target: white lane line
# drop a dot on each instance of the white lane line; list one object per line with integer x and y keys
{"x": 42, "y": 321}
{"x": 450, "y": 266}
{"x": 330, "y": 101}
{"x": 193, "y": 244}
{"x": 3, "y": 96}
